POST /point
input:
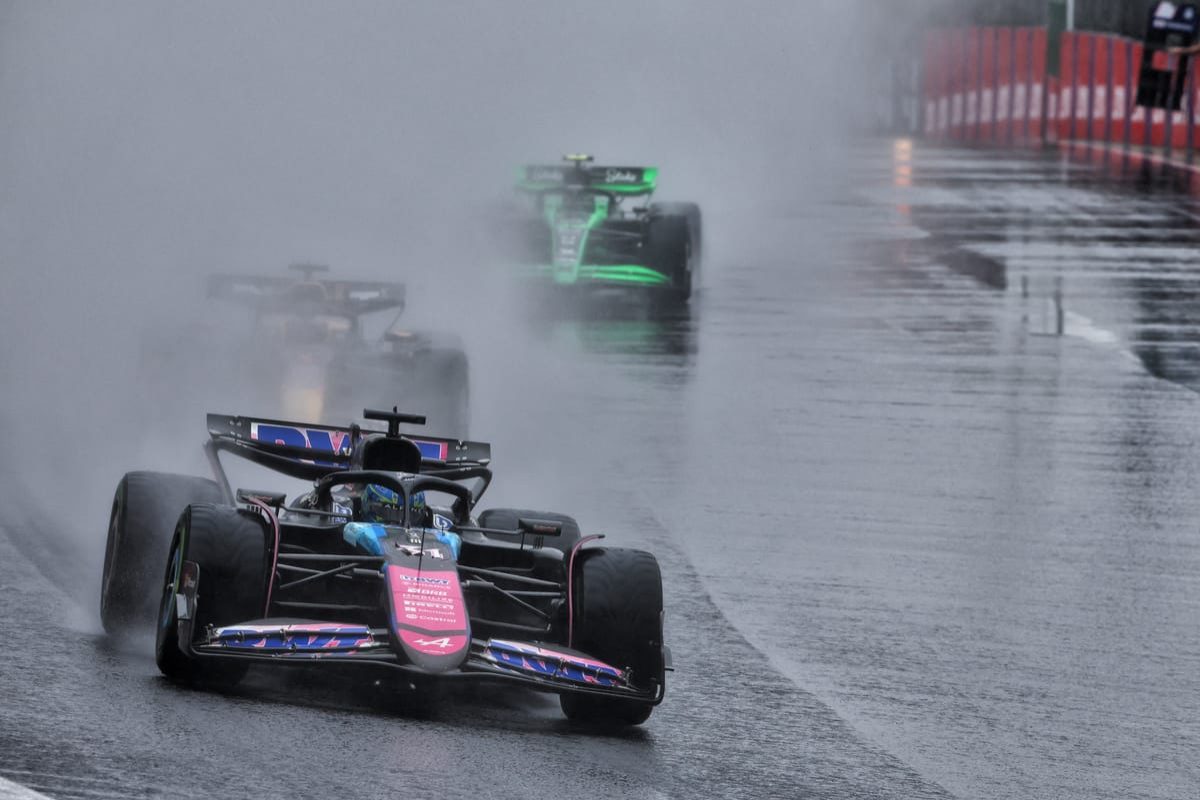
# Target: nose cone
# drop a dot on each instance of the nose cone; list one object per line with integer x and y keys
{"x": 427, "y": 611}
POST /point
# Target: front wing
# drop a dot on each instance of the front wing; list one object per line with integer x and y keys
{"x": 286, "y": 642}
{"x": 613, "y": 275}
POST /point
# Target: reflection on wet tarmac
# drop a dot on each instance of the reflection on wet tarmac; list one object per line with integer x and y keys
{"x": 1060, "y": 472}
{"x": 618, "y": 324}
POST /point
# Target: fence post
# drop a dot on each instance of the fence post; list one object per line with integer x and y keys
{"x": 1091, "y": 104}
{"x": 996, "y": 83}
{"x": 1191, "y": 112}
{"x": 977, "y": 50}
{"x": 1010, "y": 115}
{"x": 1072, "y": 94}
{"x": 1030, "y": 78}
{"x": 1130, "y": 87}
{"x": 1108, "y": 92}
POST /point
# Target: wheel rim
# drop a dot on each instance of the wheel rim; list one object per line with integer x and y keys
{"x": 685, "y": 287}
{"x": 166, "y": 611}
{"x": 110, "y": 554}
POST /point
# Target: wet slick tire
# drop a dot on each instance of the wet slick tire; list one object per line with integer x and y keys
{"x": 230, "y": 547}
{"x": 451, "y": 373}
{"x": 144, "y": 510}
{"x": 618, "y": 619}
{"x": 670, "y": 252}
{"x": 505, "y": 519}
{"x": 691, "y": 211}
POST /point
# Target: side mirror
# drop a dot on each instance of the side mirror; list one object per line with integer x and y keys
{"x": 272, "y": 499}
{"x": 539, "y": 527}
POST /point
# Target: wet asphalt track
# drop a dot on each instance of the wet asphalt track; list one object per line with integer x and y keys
{"x": 923, "y": 490}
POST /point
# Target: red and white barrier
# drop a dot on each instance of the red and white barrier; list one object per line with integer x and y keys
{"x": 984, "y": 84}
{"x": 990, "y": 85}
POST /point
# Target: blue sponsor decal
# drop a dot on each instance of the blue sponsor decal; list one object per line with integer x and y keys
{"x": 531, "y": 659}
{"x": 293, "y": 638}
{"x": 319, "y": 440}
{"x": 326, "y": 440}
{"x": 434, "y": 450}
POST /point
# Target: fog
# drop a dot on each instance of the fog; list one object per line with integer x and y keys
{"x": 144, "y": 145}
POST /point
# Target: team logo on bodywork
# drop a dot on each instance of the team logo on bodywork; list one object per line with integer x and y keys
{"x": 328, "y": 440}
{"x": 623, "y": 176}
{"x": 322, "y": 440}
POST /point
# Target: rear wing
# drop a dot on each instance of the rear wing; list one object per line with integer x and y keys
{"x": 336, "y": 297}
{"x": 583, "y": 176}
{"x": 308, "y": 451}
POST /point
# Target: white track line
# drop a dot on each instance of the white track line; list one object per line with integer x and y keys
{"x": 15, "y": 791}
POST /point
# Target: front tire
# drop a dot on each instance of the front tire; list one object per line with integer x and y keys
{"x": 618, "y": 619}
{"x": 144, "y": 510}
{"x": 230, "y": 547}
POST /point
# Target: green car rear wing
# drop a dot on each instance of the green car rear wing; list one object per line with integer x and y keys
{"x": 583, "y": 176}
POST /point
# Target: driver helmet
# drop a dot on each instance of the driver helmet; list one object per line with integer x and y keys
{"x": 381, "y": 504}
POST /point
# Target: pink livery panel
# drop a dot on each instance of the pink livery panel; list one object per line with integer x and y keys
{"x": 428, "y": 614}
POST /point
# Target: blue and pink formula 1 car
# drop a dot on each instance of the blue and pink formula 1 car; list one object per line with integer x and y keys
{"x": 385, "y": 564}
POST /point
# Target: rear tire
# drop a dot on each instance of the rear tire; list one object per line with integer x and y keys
{"x": 670, "y": 252}
{"x": 144, "y": 510}
{"x": 691, "y": 212}
{"x": 505, "y": 519}
{"x": 230, "y": 547}
{"x": 434, "y": 382}
{"x": 451, "y": 375}
{"x": 618, "y": 619}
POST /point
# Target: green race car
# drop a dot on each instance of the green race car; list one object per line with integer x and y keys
{"x": 593, "y": 227}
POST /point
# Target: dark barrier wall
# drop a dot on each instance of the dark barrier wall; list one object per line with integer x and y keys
{"x": 1126, "y": 17}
